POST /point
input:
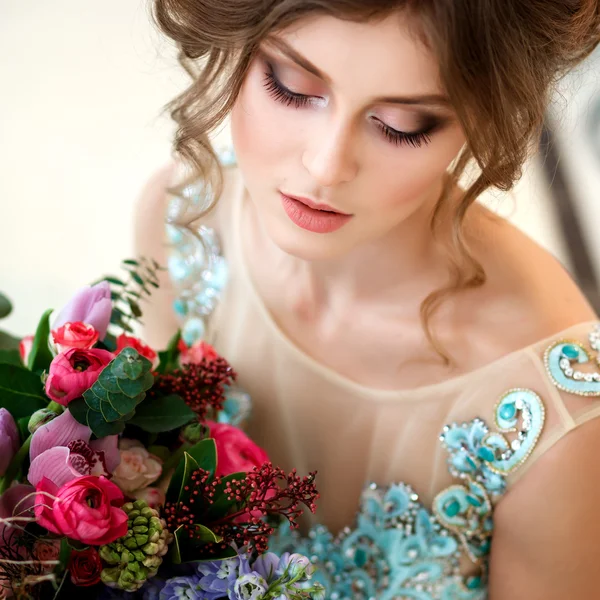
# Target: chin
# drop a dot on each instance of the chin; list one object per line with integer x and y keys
{"x": 306, "y": 245}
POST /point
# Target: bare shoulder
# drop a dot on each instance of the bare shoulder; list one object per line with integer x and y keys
{"x": 530, "y": 294}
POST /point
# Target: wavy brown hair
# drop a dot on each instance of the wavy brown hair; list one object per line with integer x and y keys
{"x": 498, "y": 60}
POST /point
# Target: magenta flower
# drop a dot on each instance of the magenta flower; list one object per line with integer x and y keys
{"x": 61, "y": 450}
{"x": 87, "y": 509}
{"x": 9, "y": 439}
{"x": 75, "y": 371}
{"x": 91, "y": 305}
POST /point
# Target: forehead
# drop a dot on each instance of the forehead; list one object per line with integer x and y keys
{"x": 383, "y": 57}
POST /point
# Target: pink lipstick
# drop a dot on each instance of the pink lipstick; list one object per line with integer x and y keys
{"x": 318, "y": 218}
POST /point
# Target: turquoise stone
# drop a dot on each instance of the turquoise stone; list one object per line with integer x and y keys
{"x": 452, "y": 508}
{"x": 486, "y": 454}
{"x": 473, "y": 501}
{"x": 571, "y": 352}
{"x": 360, "y": 558}
{"x": 474, "y": 583}
{"x": 508, "y": 411}
{"x": 472, "y": 463}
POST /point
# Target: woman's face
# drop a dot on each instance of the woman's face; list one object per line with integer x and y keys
{"x": 347, "y": 116}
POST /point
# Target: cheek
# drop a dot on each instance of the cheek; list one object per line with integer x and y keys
{"x": 261, "y": 130}
{"x": 415, "y": 173}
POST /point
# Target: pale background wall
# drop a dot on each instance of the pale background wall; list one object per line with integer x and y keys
{"x": 82, "y": 85}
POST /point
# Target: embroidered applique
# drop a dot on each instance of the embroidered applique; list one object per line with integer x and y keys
{"x": 398, "y": 549}
{"x": 561, "y": 360}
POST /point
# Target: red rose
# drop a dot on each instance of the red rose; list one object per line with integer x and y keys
{"x": 197, "y": 353}
{"x": 85, "y": 567}
{"x": 235, "y": 450}
{"x": 126, "y": 341}
{"x": 74, "y": 335}
{"x": 86, "y": 509}
{"x": 73, "y": 372}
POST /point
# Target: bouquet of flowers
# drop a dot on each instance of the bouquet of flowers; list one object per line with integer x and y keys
{"x": 125, "y": 471}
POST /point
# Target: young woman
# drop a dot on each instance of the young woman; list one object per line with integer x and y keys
{"x": 423, "y": 355}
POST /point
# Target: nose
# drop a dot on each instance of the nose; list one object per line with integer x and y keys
{"x": 329, "y": 158}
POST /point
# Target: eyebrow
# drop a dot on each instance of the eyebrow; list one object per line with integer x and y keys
{"x": 295, "y": 56}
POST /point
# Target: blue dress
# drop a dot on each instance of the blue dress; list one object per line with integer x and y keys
{"x": 409, "y": 502}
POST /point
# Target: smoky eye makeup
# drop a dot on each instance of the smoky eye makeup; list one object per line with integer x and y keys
{"x": 427, "y": 123}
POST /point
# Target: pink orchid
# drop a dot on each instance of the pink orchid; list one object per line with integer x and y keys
{"x": 61, "y": 450}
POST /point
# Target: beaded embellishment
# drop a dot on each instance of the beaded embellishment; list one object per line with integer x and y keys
{"x": 196, "y": 266}
{"x": 398, "y": 548}
{"x": 561, "y": 360}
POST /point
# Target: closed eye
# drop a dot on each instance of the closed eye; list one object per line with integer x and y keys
{"x": 287, "y": 97}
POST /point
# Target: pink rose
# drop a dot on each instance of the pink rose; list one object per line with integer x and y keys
{"x": 236, "y": 452}
{"x": 73, "y": 372}
{"x": 126, "y": 341}
{"x": 85, "y": 509}
{"x": 25, "y": 346}
{"x": 74, "y": 335}
{"x": 138, "y": 468}
{"x": 152, "y": 496}
{"x": 196, "y": 353}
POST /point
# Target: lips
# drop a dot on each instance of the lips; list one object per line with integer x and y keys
{"x": 318, "y": 218}
{"x": 316, "y": 206}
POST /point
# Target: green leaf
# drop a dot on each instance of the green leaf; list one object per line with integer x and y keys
{"x": 100, "y": 428}
{"x": 184, "y": 549}
{"x": 5, "y": 306}
{"x": 136, "y": 311}
{"x": 206, "y": 535}
{"x": 11, "y": 357}
{"x": 163, "y": 413}
{"x": 22, "y": 424}
{"x": 222, "y": 505}
{"x": 184, "y": 469}
{"x": 65, "y": 552}
{"x": 21, "y": 391}
{"x": 115, "y": 281}
{"x": 130, "y": 261}
{"x": 205, "y": 454}
{"x": 169, "y": 357}
{"x": 40, "y": 356}
{"x": 8, "y": 342}
{"x": 79, "y": 409}
{"x": 137, "y": 278}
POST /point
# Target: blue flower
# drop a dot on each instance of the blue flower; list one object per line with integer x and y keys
{"x": 249, "y": 587}
{"x": 219, "y": 576}
{"x": 182, "y": 588}
{"x": 268, "y": 566}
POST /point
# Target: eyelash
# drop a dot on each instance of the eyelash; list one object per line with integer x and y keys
{"x": 281, "y": 94}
